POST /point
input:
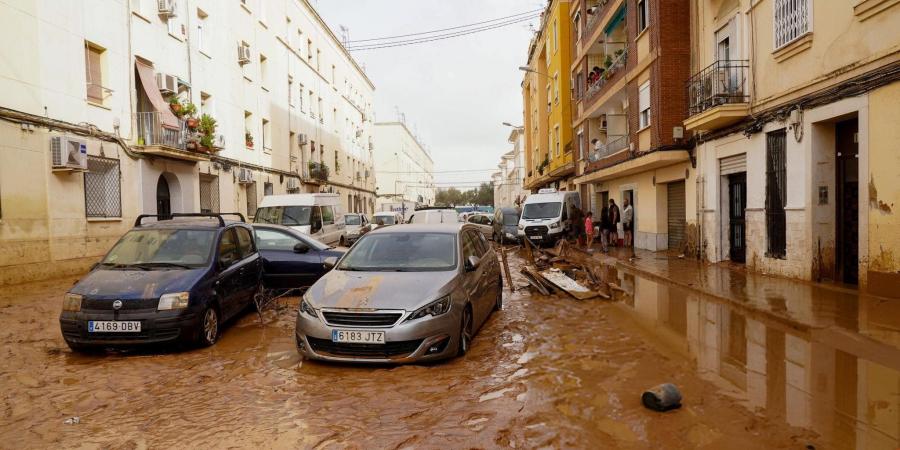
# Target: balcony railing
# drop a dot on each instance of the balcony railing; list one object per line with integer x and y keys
{"x": 612, "y": 145}
{"x": 619, "y": 60}
{"x": 595, "y": 10}
{"x": 721, "y": 83}
{"x": 318, "y": 171}
{"x": 151, "y": 132}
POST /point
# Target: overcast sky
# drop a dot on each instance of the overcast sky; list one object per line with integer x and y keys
{"x": 455, "y": 92}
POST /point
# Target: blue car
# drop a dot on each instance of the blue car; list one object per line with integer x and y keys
{"x": 175, "y": 280}
{"x": 291, "y": 259}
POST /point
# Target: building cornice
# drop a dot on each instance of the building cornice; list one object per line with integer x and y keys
{"x": 337, "y": 42}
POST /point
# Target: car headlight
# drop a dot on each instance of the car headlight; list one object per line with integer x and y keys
{"x": 554, "y": 225}
{"x": 306, "y": 308}
{"x": 521, "y": 227}
{"x": 435, "y": 308}
{"x": 176, "y": 300}
{"x": 72, "y": 302}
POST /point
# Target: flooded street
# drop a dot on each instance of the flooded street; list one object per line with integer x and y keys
{"x": 546, "y": 372}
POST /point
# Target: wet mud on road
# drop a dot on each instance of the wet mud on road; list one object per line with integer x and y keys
{"x": 546, "y": 372}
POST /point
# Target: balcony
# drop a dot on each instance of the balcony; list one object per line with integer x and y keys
{"x": 718, "y": 96}
{"x": 318, "y": 173}
{"x": 155, "y": 138}
{"x": 596, "y": 9}
{"x": 612, "y": 70}
{"x": 614, "y": 144}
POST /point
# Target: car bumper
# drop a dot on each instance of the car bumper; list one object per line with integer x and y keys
{"x": 156, "y": 327}
{"x": 424, "y": 339}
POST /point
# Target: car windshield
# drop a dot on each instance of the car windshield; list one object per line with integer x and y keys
{"x": 283, "y": 215}
{"x": 421, "y": 252}
{"x": 510, "y": 219}
{"x": 162, "y": 248}
{"x": 352, "y": 220}
{"x": 541, "y": 210}
{"x": 387, "y": 220}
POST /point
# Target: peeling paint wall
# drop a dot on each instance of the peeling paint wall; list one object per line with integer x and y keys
{"x": 883, "y": 271}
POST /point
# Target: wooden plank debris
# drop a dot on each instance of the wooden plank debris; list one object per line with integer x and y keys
{"x": 568, "y": 285}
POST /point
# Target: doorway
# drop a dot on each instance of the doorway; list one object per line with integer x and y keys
{"x": 676, "y": 207}
{"x": 847, "y": 200}
{"x": 737, "y": 205}
{"x": 163, "y": 199}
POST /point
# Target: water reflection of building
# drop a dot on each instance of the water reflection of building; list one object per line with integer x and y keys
{"x": 814, "y": 359}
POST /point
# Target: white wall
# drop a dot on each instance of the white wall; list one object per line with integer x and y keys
{"x": 405, "y": 168}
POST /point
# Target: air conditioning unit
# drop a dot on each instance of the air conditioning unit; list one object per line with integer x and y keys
{"x": 67, "y": 153}
{"x": 167, "y": 84}
{"x": 243, "y": 53}
{"x": 292, "y": 184}
{"x": 302, "y": 139}
{"x": 245, "y": 176}
{"x": 166, "y": 8}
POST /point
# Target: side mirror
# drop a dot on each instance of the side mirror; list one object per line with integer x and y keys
{"x": 301, "y": 248}
{"x": 472, "y": 263}
{"x": 329, "y": 262}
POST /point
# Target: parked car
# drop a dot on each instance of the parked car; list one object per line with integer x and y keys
{"x": 545, "y": 215}
{"x": 484, "y": 222}
{"x": 318, "y": 215}
{"x": 387, "y": 218}
{"x": 355, "y": 225}
{"x": 387, "y": 306}
{"x": 504, "y": 227}
{"x": 291, "y": 259}
{"x": 434, "y": 216}
{"x": 170, "y": 280}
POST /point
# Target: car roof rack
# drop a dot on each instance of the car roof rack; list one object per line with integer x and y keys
{"x": 137, "y": 222}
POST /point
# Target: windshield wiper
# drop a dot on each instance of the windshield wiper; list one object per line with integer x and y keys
{"x": 148, "y": 265}
{"x": 124, "y": 266}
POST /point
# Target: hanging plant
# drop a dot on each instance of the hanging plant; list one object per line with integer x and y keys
{"x": 176, "y": 106}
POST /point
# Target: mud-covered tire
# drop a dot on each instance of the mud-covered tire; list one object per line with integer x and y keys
{"x": 498, "y": 303}
{"x": 343, "y": 241}
{"x": 208, "y": 334}
{"x": 465, "y": 332}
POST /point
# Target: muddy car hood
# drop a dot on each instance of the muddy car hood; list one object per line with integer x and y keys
{"x": 135, "y": 284}
{"x": 380, "y": 290}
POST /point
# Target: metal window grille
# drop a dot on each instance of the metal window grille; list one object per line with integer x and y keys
{"x": 791, "y": 20}
{"x": 251, "y": 199}
{"x": 209, "y": 193}
{"x": 102, "y": 188}
{"x": 268, "y": 189}
{"x": 776, "y": 193}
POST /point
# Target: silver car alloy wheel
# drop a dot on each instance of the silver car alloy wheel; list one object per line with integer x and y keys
{"x": 465, "y": 332}
{"x": 211, "y": 326}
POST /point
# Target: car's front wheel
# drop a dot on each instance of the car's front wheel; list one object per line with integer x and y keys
{"x": 498, "y": 302}
{"x": 465, "y": 332}
{"x": 343, "y": 242}
{"x": 209, "y": 327}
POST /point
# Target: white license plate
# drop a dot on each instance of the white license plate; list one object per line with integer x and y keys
{"x": 536, "y": 238}
{"x": 357, "y": 336}
{"x": 108, "y": 326}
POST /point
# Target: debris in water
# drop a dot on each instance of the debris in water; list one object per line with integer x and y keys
{"x": 663, "y": 397}
{"x": 73, "y": 420}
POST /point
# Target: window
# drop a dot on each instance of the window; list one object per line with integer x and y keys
{"x": 643, "y": 15}
{"x": 275, "y": 240}
{"x": 245, "y": 242}
{"x": 576, "y": 25}
{"x": 337, "y": 164}
{"x": 266, "y": 135}
{"x": 302, "y": 108}
{"x": 290, "y": 91}
{"x": 333, "y": 72}
{"x": 228, "y": 249}
{"x": 644, "y": 105}
{"x": 556, "y": 87}
{"x": 776, "y": 193}
{"x": 251, "y": 199}
{"x": 263, "y": 71}
{"x": 172, "y": 26}
{"x": 469, "y": 246}
{"x": 318, "y": 60}
{"x": 268, "y": 188}
{"x": 555, "y": 37}
{"x": 248, "y": 129}
{"x": 791, "y": 21}
{"x": 312, "y": 105}
{"x": 556, "y": 139}
{"x": 206, "y": 105}
{"x": 334, "y": 119}
{"x": 209, "y": 193}
{"x": 102, "y": 188}
{"x": 287, "y": 31}
{"x": 549, "y": 97}
{"x": 201, "y": 30}
{"x": 93, "y": 69}
{"x": 309, "y": 51}
{"x": 321, "y": 111}
{"x": 327, "y": 215}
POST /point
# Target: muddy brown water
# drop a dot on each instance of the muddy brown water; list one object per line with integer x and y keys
{"x": 546, "y": 372}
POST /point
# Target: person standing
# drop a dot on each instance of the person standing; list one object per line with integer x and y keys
{"x": 589, "y": 228}
{"x": 604, "y": 229}
{"x": 614, "y": 218}
{"x": 628, "y": 223}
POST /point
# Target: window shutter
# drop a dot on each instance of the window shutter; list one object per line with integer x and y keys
{"x": 644, "y": 96}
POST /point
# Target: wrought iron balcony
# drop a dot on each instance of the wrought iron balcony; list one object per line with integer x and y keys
{"x": 318, "y": 171}
{"x": 613, "y": 144}
{"x": 721, "y": 83}
{"x": 151, "y": 132}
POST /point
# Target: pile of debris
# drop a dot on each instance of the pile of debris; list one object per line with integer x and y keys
{"x": 568, "y": 269}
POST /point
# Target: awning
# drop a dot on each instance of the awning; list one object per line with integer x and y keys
{"x": 618, "y": 17}
{"x": 166, "y": 117}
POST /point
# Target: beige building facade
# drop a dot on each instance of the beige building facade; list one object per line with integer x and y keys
{"x": 406, "y": 170}
{"x": 88, "y": 141}
{"x": 793, "y": 104}
{"x": 509, "y": 191}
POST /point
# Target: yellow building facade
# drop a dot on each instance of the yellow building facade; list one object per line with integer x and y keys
{"x": 549, "y": 150}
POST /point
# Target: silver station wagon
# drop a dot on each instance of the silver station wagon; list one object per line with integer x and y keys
{"x": 404, "y": 293}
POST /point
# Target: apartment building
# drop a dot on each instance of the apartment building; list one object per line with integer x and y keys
{"x": 793, "y": 104}
{"x": 406, "y": 170}
{"x": 549, "y": 151}
{"x": 91, "y": 136}
{"x": 508, "y": 188}
{"x": 630, "y": 67}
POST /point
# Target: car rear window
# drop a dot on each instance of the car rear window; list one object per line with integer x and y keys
{"x": 510, "y": 219}
{"x": 352, "y": 220}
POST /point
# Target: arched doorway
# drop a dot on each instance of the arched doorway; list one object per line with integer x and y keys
{"x": 163, "y": 199}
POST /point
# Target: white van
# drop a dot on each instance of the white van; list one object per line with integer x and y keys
{"x": 545, "y": 215}
{"x": 387, "y": 217}
{"x": 318, "y": 215}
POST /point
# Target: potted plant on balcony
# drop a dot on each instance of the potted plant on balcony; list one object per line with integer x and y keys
{"x": 207, "y": 130}
{"x": 176, "y": 106}
{"x": 189, "y": 110}
{"x": 248, "y": 139}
